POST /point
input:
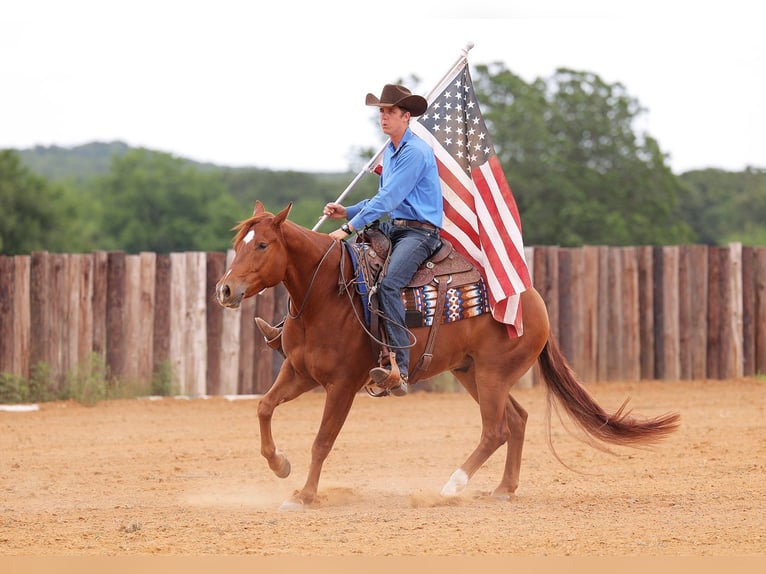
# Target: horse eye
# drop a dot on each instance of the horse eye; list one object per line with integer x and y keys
{"x": 262, "y": 245}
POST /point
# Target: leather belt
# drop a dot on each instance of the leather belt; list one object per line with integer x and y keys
{"x": 413, "y": 223}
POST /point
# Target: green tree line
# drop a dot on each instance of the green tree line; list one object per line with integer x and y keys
{"x": 579, "y": 169}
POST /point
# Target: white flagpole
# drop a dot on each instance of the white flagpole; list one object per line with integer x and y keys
{"x": 370, "y": 165}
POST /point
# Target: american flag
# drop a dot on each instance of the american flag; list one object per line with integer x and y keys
{"x": 480, "y": 215}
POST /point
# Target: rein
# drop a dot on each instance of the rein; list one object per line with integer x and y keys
{"x": 345, "y": 286}
{"x": 311, "y": 284}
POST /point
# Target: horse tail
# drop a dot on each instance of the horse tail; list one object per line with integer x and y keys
{"x": 618, "y": 428}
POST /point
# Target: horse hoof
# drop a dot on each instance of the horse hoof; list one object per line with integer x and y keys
{"x": 291, "y": 506}
{"x": 456, "y": 483}
{"x": 283, "y": 471}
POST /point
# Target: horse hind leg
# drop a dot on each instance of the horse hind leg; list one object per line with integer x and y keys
{"x": 494, "y": 432}
{"x": 516, "y": 419}
{"x": 509, "y": 424}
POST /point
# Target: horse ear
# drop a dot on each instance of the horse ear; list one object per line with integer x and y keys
{"x": 258, "y": 207}
{"x": 280, "y": 217}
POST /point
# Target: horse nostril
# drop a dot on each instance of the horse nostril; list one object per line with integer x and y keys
{"x": 223, "y": 292}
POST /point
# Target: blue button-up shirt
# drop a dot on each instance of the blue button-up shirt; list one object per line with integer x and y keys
{"x": 409, "y": 186}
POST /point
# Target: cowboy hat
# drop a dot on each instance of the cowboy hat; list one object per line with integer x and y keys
{"x": 399, "y": 96}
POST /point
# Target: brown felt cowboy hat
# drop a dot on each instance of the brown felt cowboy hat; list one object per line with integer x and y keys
{"x": 395, "y": 95}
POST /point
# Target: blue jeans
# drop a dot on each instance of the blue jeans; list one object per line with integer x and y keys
{"x": 410, "y": 247}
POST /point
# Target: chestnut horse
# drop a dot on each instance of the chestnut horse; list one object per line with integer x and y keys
{"x": 327, "y": 344}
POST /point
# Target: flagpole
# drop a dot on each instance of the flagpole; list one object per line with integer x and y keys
{"x": 370, "y": 165}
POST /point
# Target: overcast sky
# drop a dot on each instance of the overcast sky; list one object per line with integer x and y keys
{"x": 236, "y": 84}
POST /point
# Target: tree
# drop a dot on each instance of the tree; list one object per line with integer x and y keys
{"x": 725, "y": 206}
{"x": 34, "y": 214}
{"x": 156, "y": 202}
{"x": 579, "y": 172}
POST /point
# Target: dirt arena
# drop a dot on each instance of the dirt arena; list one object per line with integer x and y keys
{"x": 185, "y": 477}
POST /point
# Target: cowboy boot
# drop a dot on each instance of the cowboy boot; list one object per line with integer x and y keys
{"x": 391, "y": 381}
{"x": 272, "y": 335}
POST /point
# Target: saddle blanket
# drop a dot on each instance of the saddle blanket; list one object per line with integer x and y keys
{"x": 460, "y": 302}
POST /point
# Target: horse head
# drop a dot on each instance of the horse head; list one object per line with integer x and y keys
{"x": 259, "y": 257}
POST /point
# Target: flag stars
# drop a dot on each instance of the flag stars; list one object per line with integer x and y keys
{"x": 454, "y": 119}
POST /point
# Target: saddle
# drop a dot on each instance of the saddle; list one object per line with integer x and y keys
{"x": 444, "y": 269}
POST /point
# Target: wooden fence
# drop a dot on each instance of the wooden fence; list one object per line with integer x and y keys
{"x": 619, "y": 313}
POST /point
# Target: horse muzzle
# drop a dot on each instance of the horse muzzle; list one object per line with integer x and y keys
{"x": 228, "y": 297}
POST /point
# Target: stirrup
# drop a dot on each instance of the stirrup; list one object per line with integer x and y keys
{"x": 390, "y": 382}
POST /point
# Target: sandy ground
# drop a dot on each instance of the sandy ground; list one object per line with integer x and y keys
{"x": 185, "y": 477}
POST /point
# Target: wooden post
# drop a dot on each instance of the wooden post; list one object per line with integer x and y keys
{"x": 22, "y": 326}
{"x": 70, "y": 316}
{"x": 692, "y": 310}
{"x": 59, "y": 303}
{"x": 178, "y": 321}
{"x": 100, "y": 290}
{"x": 645, "y": 255}
{"x": 230, "y": 344}
{"x": 760, "y": 310}
{"x": 670, "y": 327}
{"x": 196, "y": 325}
{"x": 40, "y": 307}
{"x": 161, "y": 343}
{"x": 731, "y": 359}
{"x": 604, "y": 314}
{"x": 716, "y": 302}
{"x": 145, "y": 312}
{"x": 115, "y": 315}
{"x": 132, "y": 318}
{"x": 216, "y": 265}
{"x": 629, "y": 312}
{"x": 7, "y": 313}
{"x": 748, "y": 311}
{"x": 612, "y": 299}
{"x": 589, "y": 312}
{"x": 84, "y": 306}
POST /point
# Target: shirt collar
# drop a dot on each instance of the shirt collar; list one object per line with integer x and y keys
{"x": 405, "y": 138}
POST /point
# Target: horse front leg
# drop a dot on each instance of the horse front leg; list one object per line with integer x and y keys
{"x": 287, "y": 386}
{"x": 337, "y": 405}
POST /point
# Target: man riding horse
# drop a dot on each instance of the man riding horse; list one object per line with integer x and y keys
{"x": 409, "y": 203}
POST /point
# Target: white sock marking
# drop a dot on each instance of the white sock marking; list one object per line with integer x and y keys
{"x": 457, "y": 482}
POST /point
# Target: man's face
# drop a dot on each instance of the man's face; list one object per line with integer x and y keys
{"x": 394, "y": 121}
